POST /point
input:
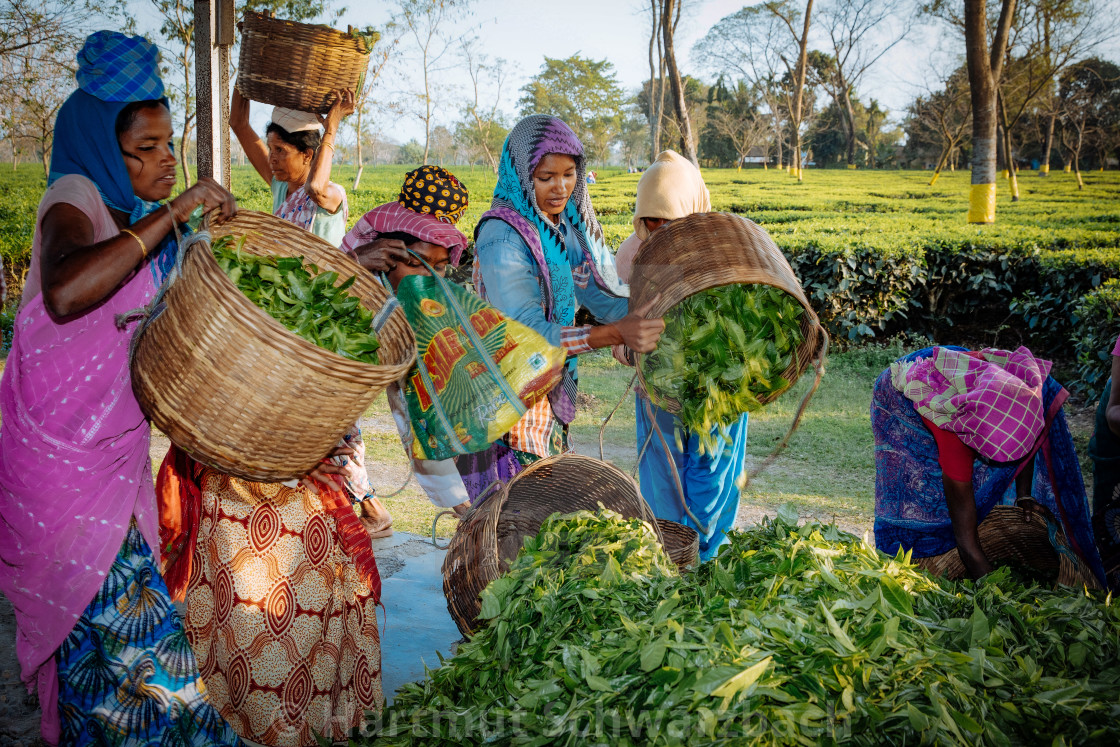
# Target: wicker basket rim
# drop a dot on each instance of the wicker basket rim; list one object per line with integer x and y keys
{"x": 213, "y": 273}
{"x": 266, "y": 18}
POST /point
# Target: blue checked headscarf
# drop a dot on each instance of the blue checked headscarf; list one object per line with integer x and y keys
{"x": 114, "y": 70}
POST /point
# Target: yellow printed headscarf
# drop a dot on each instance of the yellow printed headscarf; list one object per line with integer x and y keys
{"x": 435, "y": 191}
{"x": 670, "y": 188}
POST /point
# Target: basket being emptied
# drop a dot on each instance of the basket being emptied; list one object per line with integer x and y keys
{"x": 233, "y": 388}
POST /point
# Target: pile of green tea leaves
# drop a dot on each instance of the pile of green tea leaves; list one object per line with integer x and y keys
{"x": 303, "y": 299}
{"x": 791, "y": 635}
{"x": 721, "y": 351}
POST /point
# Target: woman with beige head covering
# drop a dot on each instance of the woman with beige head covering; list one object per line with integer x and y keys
{"x": 672, "y": 188}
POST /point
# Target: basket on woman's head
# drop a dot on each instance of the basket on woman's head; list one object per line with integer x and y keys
{"x": 297, "y": 65}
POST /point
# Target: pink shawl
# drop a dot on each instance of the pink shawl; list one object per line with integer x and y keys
{"x": 392, "y": 217}
{"x": 75, "y": 465}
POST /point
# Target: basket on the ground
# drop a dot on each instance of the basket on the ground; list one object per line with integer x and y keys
{"x": 297, "y": 65}
{"x": 1013, "y": 534}
{"x": 237, "y": 391}
{"x": 682, "y": 544}
{"x": 491, "y": 533}
{"x": 708, "y": 250}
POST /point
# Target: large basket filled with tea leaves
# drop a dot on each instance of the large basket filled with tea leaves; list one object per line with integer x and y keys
{"x": 739, "y": 330}
{"x": 257, "y": 361}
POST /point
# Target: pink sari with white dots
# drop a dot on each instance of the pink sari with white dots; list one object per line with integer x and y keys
{"x": 75, "y": 465}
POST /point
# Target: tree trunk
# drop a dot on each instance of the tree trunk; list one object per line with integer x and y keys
{"x": 654, "y": 117}
{"x": 1044, "y": 168}
{"x": 1008, "y": 151}
{"x": 940, "y": 165}
{"x": 188, "y": 116}
{"x": 802, "y": 64}
{"x": 358, "y": 138}
{"x": 984, "y": 69}
{"x": 688, "y": 146}
{"x": 850, "y": 121}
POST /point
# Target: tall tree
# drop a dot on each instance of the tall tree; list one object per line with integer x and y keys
{"x": 656, "y": 72}
{"x": 670, "y": 14}
{"x": 177, "y": 28}
{"x": 485, "y": 125}
{"x": 584, "y": 93}
{"x": 427, "y": 22}
{"x": 788, "y": 14}
{"x": 944, "y": 115}
{"x": 735, "y": 117}
{"x": 381, "y": 51}
{"x": 752, "y": 45}
{"x": 860, "y": 32}
{"x": 985, "y": 66}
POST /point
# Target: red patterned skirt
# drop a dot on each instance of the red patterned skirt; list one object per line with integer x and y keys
{"x": 284, "y": 629}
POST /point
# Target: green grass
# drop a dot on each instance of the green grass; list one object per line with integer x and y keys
{"x": 828, "y": 469}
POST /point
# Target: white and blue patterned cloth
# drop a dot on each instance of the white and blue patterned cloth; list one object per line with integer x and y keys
{"x": 126, "y": 673}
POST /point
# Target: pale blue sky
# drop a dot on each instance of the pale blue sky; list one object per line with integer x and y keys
{"x": 523, "y": 32}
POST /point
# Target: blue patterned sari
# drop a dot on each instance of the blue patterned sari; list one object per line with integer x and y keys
{"x": 126, "y": 674}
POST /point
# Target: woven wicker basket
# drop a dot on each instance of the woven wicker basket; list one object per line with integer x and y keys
{"x": 491, "y": 533}
{"x": 682, "y": 544}
{"x": 237, "y": 391}
{"x": 1010, "y": 533}
{"x": 708, "y": 250}
{"x": 297, "y": 65}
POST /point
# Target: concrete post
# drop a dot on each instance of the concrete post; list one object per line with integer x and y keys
{"x": 214, "y": 37}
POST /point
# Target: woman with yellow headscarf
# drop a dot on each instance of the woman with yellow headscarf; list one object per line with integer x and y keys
{"x": 673, "y": 188}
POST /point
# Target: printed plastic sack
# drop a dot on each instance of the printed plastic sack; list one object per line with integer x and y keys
{"x": 476, "y": 371}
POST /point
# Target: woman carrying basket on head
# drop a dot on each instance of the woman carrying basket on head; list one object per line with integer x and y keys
{"x": 957, "y": 433}
{"x": 672, "y": 188}
{"x": 538, "y": 254}
{"x": 296, "y": 163}
{"x": 97, "y": 633}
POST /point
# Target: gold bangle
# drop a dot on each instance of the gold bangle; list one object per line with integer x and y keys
{"x": 329, "y": 145}
{"x": 140, "y": 241}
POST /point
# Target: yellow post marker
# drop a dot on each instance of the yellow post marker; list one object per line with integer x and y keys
{"x": 982, "y": 203}
{"x": 1068, "y": 168}
{"x": 1044, "y": 169}
{"x": 1005, "y": 174}
{"x": 936, "y": 176}
{"x": 852, "y": 166}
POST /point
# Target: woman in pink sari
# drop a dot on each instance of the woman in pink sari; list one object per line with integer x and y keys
{"x": 79, "y": 545}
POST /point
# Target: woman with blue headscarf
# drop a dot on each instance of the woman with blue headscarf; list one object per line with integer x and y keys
{"x": 539, "y": 254}
{"x": 79, "y": 541}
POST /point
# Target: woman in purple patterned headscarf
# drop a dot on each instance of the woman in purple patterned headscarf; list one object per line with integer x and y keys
{"x": 539, "y": 254}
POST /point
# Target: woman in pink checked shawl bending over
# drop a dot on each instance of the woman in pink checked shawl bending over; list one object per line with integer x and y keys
{"x": 957, "y": 433}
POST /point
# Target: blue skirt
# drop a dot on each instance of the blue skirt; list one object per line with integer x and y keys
{"x": 126, "y": 673}
{"x": 710, "y": 481}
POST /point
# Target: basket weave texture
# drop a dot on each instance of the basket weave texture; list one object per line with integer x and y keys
{"x": 682, "y": 544}
{"x": 237, "y": 391}
{"x": 708, "y": 250}
{"x": 297, "y": 65}
{"x": 1011, "y": 533}
{"x": 492, "y": 532}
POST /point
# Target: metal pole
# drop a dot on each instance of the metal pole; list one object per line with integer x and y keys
{"x": 214, "y": 36}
